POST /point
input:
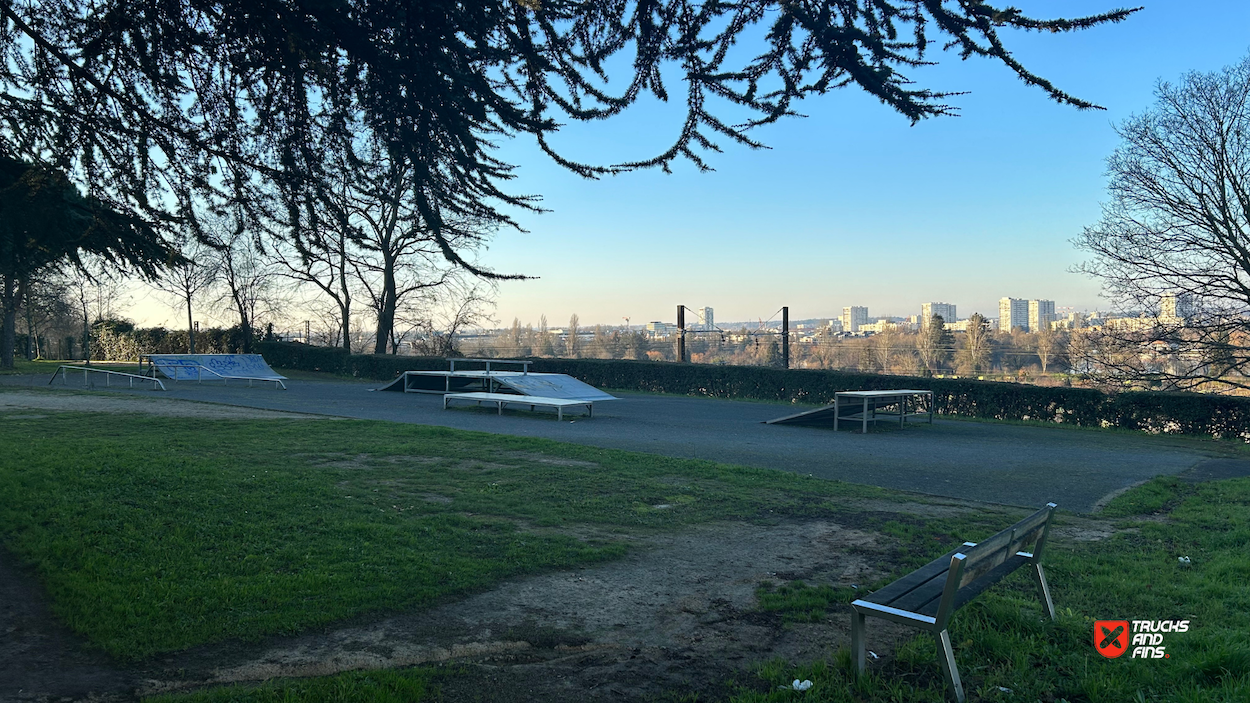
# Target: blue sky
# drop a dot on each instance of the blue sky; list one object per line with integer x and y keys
{"x": 852, "y": 204}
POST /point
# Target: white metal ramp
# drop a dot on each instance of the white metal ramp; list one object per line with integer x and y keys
{"x": 542, "y": 385}
{"x": 209, "y": 367}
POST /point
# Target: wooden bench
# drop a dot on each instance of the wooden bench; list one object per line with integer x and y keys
{"x": 502, "y": 399}
{"x": 927, "y": 597}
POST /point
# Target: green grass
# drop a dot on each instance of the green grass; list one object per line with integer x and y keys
{"x": 157, "y": 534}
{"x": 1003, "y": 641}
{"x": 46, "y": 366}
{"x": 400, "y": 686}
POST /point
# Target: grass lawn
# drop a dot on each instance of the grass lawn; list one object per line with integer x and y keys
{"x": 1006, "y": 649}
{"x": 157, "y": 534}
{"x": 45, "y": 366}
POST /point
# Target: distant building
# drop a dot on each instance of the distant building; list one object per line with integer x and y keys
{"x": 1041, "y": 314}
{"x": 1013, "y": 313}
{"x": 1176, "y": 308}
{"x": 660, "y": 329}
{"x": 1070, "y": 321}
{"x": 853, "y": 317}
{"x": 709, "y": 322}
{"x": 945, "y": 310}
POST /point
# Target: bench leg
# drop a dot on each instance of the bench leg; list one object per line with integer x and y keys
{"x": 1040, "y": 576}
{"x": 857, "y": 641}
{"x": 946, "y": 657}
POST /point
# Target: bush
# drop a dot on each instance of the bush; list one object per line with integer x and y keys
{"x": 113, "y": 340}
{"x": 1171, "y": 413}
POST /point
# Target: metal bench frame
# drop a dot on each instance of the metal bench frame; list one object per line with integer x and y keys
{"x": 967, "y": 572}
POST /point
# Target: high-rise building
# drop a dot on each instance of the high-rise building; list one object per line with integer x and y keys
{"x": 1041, "y": 314}
{"x": 709, "y": 322}
{"x": 1176, "y": 308}
{"x": 852, "y": 317}
{"x": 1012, "y": 313}
{"x": 944, "y": 310}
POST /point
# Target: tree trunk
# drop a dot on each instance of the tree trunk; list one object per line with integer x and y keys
{"x": 8, "y": 338}
{"x": 345, "y": 309}
{"x": 8, "y": 327}
{"x": 86, "y": 336}
{"x": 345, "y": 298}
{"x": 386, "y": 313}
{"x": 190, "y": 328}
{"x": 30, "y": 336}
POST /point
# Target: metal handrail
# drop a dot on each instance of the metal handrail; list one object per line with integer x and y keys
{"x": 107, "y": 375}
{"x": 525, "y": 365}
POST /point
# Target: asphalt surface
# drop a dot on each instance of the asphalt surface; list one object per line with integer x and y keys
{"x": 991, "y": 462}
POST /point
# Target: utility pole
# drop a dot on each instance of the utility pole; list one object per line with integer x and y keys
{"x": 785, "y": 336}
{"x": 681, "y": 333}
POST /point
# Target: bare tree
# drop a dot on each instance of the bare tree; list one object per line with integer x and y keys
{"x": 322, "y": 260}
{"x": 976, "y": 351}
{"x": 934, "y": 344}
{"x": 396, "y": 255}
{"x": 1173, "y": 245}
{"x": 884, "y": 349}
{"x": 249, "y": 281}
{"x": 97, "y": 292}
{"x": 571, "y": 342}
{"x": 434, "y": 334}
{"x": 197, "y": 273}
{"x": 47, "y": 306}
{"x": 1046, "y": 342}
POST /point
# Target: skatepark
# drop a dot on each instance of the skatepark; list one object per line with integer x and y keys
{"x": 1011, "y": 464}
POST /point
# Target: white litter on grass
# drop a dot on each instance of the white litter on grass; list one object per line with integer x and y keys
{"x": 1184, "y": 561}
{"x": 1004, "y": 689}
{"x": 801, "y": 685}
{"x": 873, "y": 654}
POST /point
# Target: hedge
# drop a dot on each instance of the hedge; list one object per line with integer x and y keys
{"x": 1173, "y": 413}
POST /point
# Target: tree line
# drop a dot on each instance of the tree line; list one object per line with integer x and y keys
{"x": 934, "y": 350}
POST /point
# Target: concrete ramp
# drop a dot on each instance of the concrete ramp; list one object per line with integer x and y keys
{"x": 210, "y": 367}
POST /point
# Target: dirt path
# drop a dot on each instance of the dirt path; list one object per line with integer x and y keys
{"x": 679, "y": 609}
{"x": 82, "y": 402}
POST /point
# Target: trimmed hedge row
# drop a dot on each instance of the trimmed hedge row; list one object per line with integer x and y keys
{"x": 1172, "y": 413}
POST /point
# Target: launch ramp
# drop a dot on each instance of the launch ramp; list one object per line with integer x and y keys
{"x": 211, "y": 367}
{"x": 489, "y": 380}
{"x": 864, "y": 407}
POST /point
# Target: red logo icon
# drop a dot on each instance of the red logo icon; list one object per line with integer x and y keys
{"x": 1111, "y": 637}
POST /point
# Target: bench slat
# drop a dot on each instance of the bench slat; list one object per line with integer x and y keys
{"x": 964, "y": 595}
{"x": 928, "y": 592}
{"x": 908, "y": 583}
{"x": 986, "y": 556}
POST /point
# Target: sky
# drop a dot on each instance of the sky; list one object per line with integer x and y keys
{"x": 852, "y": 205}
